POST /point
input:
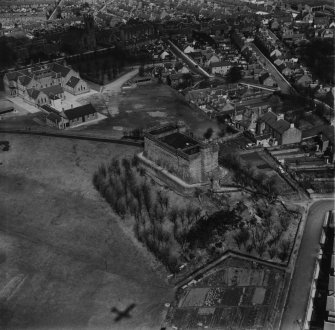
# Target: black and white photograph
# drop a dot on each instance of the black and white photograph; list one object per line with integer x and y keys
{"x": 167, "y": 164}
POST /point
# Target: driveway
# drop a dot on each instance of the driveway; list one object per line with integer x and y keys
{"x": 296, "y": 303}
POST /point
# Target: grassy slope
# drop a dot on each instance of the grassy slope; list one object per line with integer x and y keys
{"x": 58, "y": 233}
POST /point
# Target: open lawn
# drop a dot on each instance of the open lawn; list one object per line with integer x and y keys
{"x": 151, "y": 105}
{"x": 257, "y": 161}
{"x": 65, "y": 260}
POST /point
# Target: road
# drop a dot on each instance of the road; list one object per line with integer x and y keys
{"x": 296, "y": 303}
{"x": 53, "y": 15}
{"x": 112, "y": 91}
{"x": 195, "y": 67}
{"x": 283, "y": 84}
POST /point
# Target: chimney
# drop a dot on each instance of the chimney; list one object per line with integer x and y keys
{"x": 280, "y": 116}
{"x": 71, "y": 106}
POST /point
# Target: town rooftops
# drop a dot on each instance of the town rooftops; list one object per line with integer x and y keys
{"x": 53, "y": 117}
{"x": 33, "y": 93}
{"x": 279, "y": 125}
{"x": 53, "y": 90}
{"x": 58, "y": 68}
{"x": 83, "y": 110}
{"x": 24, "y": 80}
{"x": 73, "y": 81}
{"x": 220, "y": 64}
{"x": 48, "y": 108}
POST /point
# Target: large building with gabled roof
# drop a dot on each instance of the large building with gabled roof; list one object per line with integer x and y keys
{"x": 51, "y": 79}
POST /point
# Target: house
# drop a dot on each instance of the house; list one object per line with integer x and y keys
{"x": 267, "y": 80}
{"x": 41, "y": 77}
{"x": 76, "y": 86}
{"x": 308, "y": 18}
{"x": 280, "y": 129}
{"x": 81, "y": 114}
{"x": 278, "y": 62}
{"x": 54, "y": 118}
{"x": 220, "y": 67}
{"x": 54, "y": 92}
{"x": 321, "y": 22}
{"x": 287, "y": 72}
{"x": 213, "y": 59}
{"x": 36, "y": 97}
{"x": 327, "y": 34}
{"x": 184, "y": 69}
{"x": 275, "y": 53}
{"x": 274, "y": 25}
{"x": 188, "y": 49}
{"x": 304, "y": 80}
{"x": 165, "y": 55}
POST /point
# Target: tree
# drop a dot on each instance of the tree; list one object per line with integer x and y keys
{"x": 146, "y": 197}
{"x": 234, "y": 75}
{"x": 189, "y": 213}
{"x": 141, "y": 71}
{"x": 173, "y": 215}
{"x": 208, "y": 134}
{"x": 284, "y": 250}
{"x": 284, "y": 221}
{"x": 272, "y": 251}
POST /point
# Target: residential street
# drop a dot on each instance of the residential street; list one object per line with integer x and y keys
{"x": 195, "y": 67}
{"x": 283, "y": 84}
{"x": 301, "y": 282}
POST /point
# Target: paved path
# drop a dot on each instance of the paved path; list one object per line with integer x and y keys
{"x": 112, "y": 91}
{"x": 296, "y": 303}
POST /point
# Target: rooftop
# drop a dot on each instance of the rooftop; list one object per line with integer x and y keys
{"x": 83, "y": 110}
{"x": 179, "y": 141}
{"x": 279, "y": 125}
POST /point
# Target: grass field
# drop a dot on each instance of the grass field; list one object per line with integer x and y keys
{"x": 65, "y": 260}
{"x": 151, "y": 105}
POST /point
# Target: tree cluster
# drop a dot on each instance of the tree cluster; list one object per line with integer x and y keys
{"x": 158, "y": 224}
{"x": 250, "y": 177}
{"x": 267, "y": 235}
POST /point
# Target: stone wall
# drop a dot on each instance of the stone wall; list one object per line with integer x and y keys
{"x": 209, "y": 158}
{"x": 188, "y": 170}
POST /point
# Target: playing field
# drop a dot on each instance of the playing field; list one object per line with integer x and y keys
{"x": 64, "y": 259}
{"x": 151, "y": 105}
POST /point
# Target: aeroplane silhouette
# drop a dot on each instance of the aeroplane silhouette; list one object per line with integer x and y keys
{"x": 122, "y": 314}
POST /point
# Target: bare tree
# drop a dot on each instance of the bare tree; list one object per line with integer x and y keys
{"x": 173, "y": 215}
{"x": 272, "y": 251}
{"x": 146, "y": 197}
{"x": 284, "y": 249}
